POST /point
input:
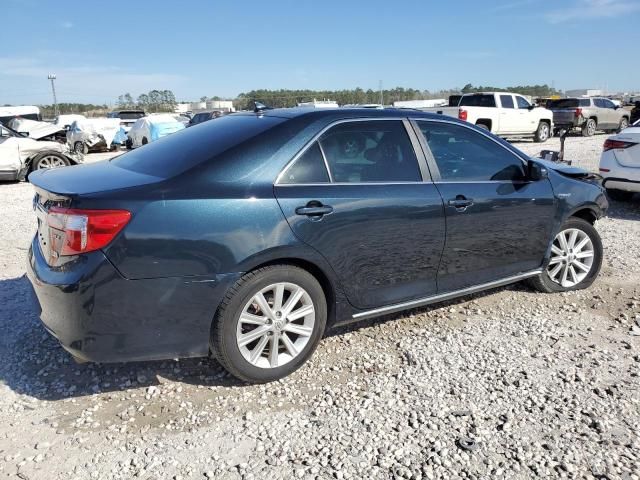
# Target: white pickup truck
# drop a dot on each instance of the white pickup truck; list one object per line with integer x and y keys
{"x": 503, "y": 113}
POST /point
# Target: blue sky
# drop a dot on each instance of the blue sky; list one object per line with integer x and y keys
{"x": 102, "y": 49}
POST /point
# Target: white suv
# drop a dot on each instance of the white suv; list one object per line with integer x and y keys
{"x": 620, "y": 163}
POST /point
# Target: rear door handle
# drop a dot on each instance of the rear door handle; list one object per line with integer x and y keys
{"x": 461, "y": 203}
{"x": 312, "y": 209}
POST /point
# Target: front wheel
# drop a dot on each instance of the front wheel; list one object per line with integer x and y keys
{"x": 575, "y": 261}
{"x": 542, "y": 133}
{"x": 269, "y": 323}
{"x": 81, "y": 148}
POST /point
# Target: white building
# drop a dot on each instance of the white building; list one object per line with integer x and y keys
{"x": 585, "y": 92}
{"x": 436, "y": 102}
{"x": 318, "y": 104}
{"x": 225, "y": 105}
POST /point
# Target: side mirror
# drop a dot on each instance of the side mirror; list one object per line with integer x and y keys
{"x": 537, "y": 171}
{"x": 531, "y": 107}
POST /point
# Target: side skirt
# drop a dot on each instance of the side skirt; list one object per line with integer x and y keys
{"x": 438, "y": 298}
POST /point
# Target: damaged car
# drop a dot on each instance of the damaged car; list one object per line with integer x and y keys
{"x": 153, "y": 127}
{"x": 20, "y": 155}
{"x": 94, "y": 134}
{"x": 38, "y": 130}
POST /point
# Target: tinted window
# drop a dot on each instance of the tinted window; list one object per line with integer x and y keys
{"x": 506, "y": 101}
{"x": 370, "y": 151}
{"x": 130, "y": 115}
{"x": 599, "y": 103}
{"x": 608, "y": 103}
{"x": 465, "y": 155}
{"x": 564, "y": 103}
{"x": 308, "y": 168}
{"x": 522, "y": 102}
{"x": 187, "y": 148}
{"x": 478, "y": 101}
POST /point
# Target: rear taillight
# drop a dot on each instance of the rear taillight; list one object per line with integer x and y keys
{"x": 74, "y": 231}
{"x": 578, "y": 112}
{"x": 462, "y": 114}
{"x": 610, "y": 144}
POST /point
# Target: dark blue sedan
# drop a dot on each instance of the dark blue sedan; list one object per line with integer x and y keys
{"x": 248, "y": 237}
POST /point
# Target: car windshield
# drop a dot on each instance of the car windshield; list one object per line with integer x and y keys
{"x": 478, "y": 101}
{"x": 183, "y": 150}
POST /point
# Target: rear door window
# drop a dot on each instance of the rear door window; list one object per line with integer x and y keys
{"x": 370, "y": 151}
{"x": 464, "y": 155}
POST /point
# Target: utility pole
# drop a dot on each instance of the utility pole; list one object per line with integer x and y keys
{"x": 381, "y": 95}
{"x": 52, "y": 77}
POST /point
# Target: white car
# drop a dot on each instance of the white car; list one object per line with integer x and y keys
{"x": 505, "y": 114}
{"x": 94, "y": 134}
{"x": 19, "y": 155}
{"x": 620, "y": 163}
{"x": 153, "y": 127}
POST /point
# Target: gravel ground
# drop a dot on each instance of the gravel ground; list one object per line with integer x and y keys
{"x": 507, "y": 384}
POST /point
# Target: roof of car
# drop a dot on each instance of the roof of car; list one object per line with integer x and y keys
{"x": 344, "y": 113}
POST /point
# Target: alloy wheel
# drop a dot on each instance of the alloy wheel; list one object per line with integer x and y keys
{"x": 50, "y": 161}
{"x": 275, "y": 325}
{"x": 544, "y": 132}
{"x": 572, "y": 256}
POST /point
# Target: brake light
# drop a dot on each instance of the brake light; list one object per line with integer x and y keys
{"x": 462, "y": 114}
{"x": 610, "y": 144}
{"x": 74, "y": 231}
{"x": 578, "y": 112}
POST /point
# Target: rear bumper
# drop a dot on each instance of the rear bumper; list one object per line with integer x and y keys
{"x": 98, "y": 315}
{"x": 621, "y": 184}
{"x": 9, "y": 175}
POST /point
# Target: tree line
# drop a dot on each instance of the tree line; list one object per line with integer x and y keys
{"x": 152, "y": 102}
{"x": 290, "y": 98}
{"x": 165, "y": 100}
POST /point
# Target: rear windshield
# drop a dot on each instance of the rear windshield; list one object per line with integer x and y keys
{"x": 187, "y": 148}
{"x": 568, "y": 103}
{"x": 130, "y": 115}
{"x": 478, "y": 101}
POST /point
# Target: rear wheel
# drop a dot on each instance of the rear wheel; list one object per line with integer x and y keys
{"x": 589, "y": 128}
{"x": 619, "y": 195}
{"x": 542, "y": 133}
{"x": 45, "y": 161}
{"x": 144, "y": 140}
{"x": 128, "y": 143}
{"x": 576, "y": 257}
{"x": 269, "y": 323}
{"x": 483, "y": 126}
{"x": 624, "y": 123}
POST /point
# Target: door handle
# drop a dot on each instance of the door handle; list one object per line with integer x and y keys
{"x": 314, "y": 209}
{"x": 461, "y": 203}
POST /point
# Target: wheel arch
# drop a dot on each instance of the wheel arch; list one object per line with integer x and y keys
{"x": 588, "y": 213}
{"x": 337, "y": 305}
{"x": 485, "y": 121}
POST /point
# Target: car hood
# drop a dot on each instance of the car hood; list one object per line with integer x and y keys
{"x": 564, "y": 168}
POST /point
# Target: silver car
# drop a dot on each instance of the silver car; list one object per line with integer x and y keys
{"x": 589, "y": 115}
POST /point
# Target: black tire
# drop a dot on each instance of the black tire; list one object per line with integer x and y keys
{"x": 483, "y": 126}
{"x": 223, "y": 336}
{"x": 80, "y": 147}
{"x": 542, "y": 133}
{"x": 543, "y": 282}
{"x": 589, "y": 128}
{"x": 46, "y": 158}
{"x": 128, "y": 143}
{"x": 619, "y": 195}
{"x": 144, "y": 140}
{"x": 624, "y": 123}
